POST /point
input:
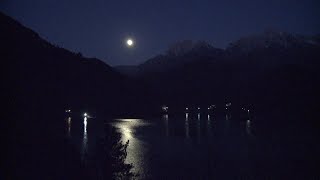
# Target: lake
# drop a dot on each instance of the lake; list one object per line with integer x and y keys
{"x": 204, "y": 146}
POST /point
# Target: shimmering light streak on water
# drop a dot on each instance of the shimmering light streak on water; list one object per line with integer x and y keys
{"x": 166, "y": 123}
{"x": 136, "y": 149}
{"x": 187, "y": 125}
{"x": 85, "y": 139}
{"x": 248, "y": 127}
{"x": 198, "y": 127}
{"x": 209, "y": 126}
{"x": 69, "y": 127}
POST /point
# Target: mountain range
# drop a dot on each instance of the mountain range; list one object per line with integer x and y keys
{"x": 269, "y": 70}
{"x": 268, "y": 47}
{"x": 272, "y": 70}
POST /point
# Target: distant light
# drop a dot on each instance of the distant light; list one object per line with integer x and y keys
{"x": 85, "y": 114}
{"x": 68, "y": 110}
{"x": 208, "y": 108}
{"x": 130, "y": 42}
{"x": 198, "y": 108}
{"x": 165, "y": 108}
{"x": 187, "y": 108}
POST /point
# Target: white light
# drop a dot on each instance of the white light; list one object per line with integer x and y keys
{"x": 165, "y": 108}
{"x": 85, "y": 114}
{"x": 129, "y": 42}
{"x": 198, "y": 108}
{"x": 85, "y": 125}
{"x": 187, "y": 108}
{"x": 85, "y": 121}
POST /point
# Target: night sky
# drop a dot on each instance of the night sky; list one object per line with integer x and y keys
{"x": 99, "y": 28}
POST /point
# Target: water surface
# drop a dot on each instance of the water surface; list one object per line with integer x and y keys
{"x": 204, "y": 146}
{"x": 191, "y": 145}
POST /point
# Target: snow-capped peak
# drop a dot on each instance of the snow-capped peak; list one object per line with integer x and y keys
{"x": 269, "y": 39}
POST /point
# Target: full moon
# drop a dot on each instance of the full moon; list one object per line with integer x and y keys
{"x": 130, "y": 42}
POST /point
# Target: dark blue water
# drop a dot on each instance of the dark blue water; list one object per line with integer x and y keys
{"x": 187, "y": 146}
{"x": 202, "y": 146}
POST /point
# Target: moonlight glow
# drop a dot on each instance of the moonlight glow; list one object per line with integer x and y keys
{"x": 130, "y": 42}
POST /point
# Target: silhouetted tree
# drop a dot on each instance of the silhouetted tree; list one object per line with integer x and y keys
{"x": 112, "y": 154}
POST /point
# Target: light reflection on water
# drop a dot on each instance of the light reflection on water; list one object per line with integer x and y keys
{"x": 136, "y": 150}
{"x": 187, "y": 125}
{"x": 85, "y": 139}
{"x": 198, "y": 127}
{"x": 159, "y": 140}
{"x": 166, "y": 123}
{"x": 150, "y": 148}
{"x": 69, "y": 127}
{"x": 209, "y": 126}
{"x": 224, "y": 156}
{"x": 248, "y": 127}
{"x": 83, "y": 133}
